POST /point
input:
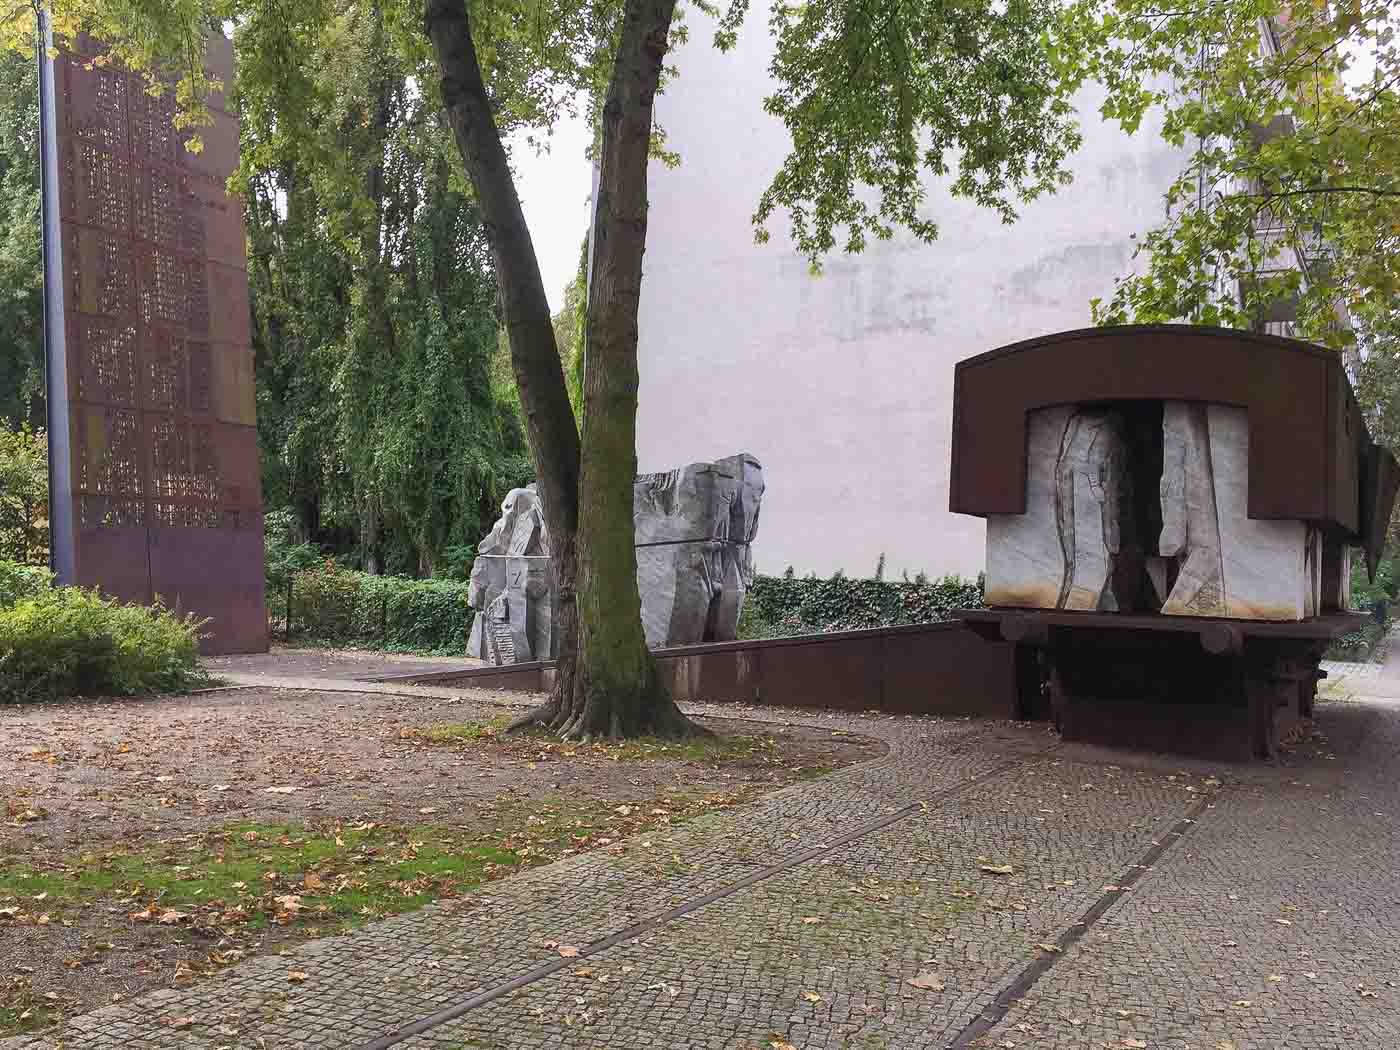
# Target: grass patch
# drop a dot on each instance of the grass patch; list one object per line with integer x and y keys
{"x": 255, "y": 874}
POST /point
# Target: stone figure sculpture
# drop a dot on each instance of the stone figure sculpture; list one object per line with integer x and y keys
{"x": 694, "y": 528}
{"x": 1079, "y": 546}
{"x": 1226, "y": 563}
{"x": 1091, "y": 495}
{"x": 511, "y": 586}
{"x": 1063, "y": 552}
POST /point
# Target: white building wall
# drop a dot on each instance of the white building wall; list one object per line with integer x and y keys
{"x": 841, "y": 384}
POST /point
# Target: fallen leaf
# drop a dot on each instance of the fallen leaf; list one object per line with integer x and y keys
{"x": 928, "y": 981}
{"x": 808, "y": 920}
{"x": 297, "y": 976}
{"x": 997, "y": 869}
{"x": 312, "y": 881}
{"x": 181, "y": 1022}
{"x": 1045, "y": 947}
{"x": 428, "y": 810}
{"x": 281, "y": 790}
{"x": 1133, "y": 1044}
{"x": 812, "y": 997}
{"x": 778, "y": 1044}
{"x": 568, "y": 951}
{"x": 1243, "y": 1003}
{"x": 1284, "y": 922}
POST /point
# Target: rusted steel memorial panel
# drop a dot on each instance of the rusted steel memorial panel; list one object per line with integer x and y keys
{"x": 156, "y": 483}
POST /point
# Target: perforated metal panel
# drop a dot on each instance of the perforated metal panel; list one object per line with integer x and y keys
{"x": 162, "y": 487}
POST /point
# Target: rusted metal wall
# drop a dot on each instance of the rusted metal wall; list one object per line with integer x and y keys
{"x": 931, "y": 668}
{"x": 152, "y": 367}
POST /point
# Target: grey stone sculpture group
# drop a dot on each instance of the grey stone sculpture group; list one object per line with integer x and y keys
{"x": 694, "y": 529}
{"x": 1088, "y": 538}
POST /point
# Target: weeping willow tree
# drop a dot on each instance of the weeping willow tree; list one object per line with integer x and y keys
{"x": 373, "y": 293}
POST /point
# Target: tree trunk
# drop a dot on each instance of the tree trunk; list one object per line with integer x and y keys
{"x": 550, "y": 427}
{"x": 616, "y": 691}
{"x": 606, "y": 682}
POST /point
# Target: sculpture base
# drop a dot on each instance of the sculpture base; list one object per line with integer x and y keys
{"x": 1200, "y": 686}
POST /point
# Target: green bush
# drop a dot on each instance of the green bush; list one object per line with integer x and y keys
{"x": 64, "y": 641}
{"x": 1365, "y": 592}
{"x": 781, "y": 606}
{"x": 1357, "y": 646}
{"x": 24, "y": 495}
{"x": 22, "y": 581}
{"x": 332, "y": 605}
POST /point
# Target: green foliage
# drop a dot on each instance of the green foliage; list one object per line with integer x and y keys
{"x": 569, "y": 326}
{"x": 1358, "y": 645}
{"x": 284, "y": 556}
{"x": 21, "y": 270}
{"x": 332, "y": 605}
{"x": 381, "y": 427}
{"x": 1365, "y": 592}
{"x": 879, "y": 99}
{"x": 19, "y": 581}
{"x": 64, "y": 641}
{"x": 24, "y": 495}
{"x": 1292, "y": 190}
{"x": 780, "y": 606}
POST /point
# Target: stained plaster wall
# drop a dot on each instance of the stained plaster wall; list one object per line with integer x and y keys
{"x": 841, "y": 384}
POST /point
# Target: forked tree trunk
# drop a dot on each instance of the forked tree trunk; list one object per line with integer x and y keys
{"x": 606, "y": 682}
{"x": 550, "y": 427}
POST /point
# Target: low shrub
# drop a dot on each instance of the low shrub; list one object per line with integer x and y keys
{"x": 65, "y": 641}
{"x": 781, "y": 606}
{"x": 1368, "y": 596}
{"x": 332, "y": 605}
{"x": 1357, "y": 646}
{"x": 22, "y": 581}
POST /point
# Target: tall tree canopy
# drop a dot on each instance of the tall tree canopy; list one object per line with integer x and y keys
{"x": 1291, "y": 116}
{"x": 373, "y": 296}
{"x": 21, "y": 271}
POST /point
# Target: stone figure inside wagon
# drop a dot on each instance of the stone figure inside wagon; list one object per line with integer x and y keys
{"x": 1171, "y": 513}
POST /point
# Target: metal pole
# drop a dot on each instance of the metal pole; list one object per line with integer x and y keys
{"x": 40, "y": 56}
{"x": 62, "y": 552}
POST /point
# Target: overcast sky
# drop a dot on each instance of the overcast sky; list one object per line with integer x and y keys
{"x": 554, "y": 189}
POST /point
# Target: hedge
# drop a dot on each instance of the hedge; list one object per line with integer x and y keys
{"x": 331, "y": 605}
{"x": 781, "y": 606}
{"x": 57, "y": 642}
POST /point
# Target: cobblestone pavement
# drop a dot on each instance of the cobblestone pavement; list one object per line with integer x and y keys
{"x": 952, "y": 862}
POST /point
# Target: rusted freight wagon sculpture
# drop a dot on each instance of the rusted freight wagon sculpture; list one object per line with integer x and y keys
{"x": 1171, "y": 512}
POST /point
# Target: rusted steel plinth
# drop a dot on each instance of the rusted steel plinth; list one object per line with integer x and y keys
{"x": 1214, "y": 688}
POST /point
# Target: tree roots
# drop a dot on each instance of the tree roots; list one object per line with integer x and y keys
{"x": 592, "y": 715}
